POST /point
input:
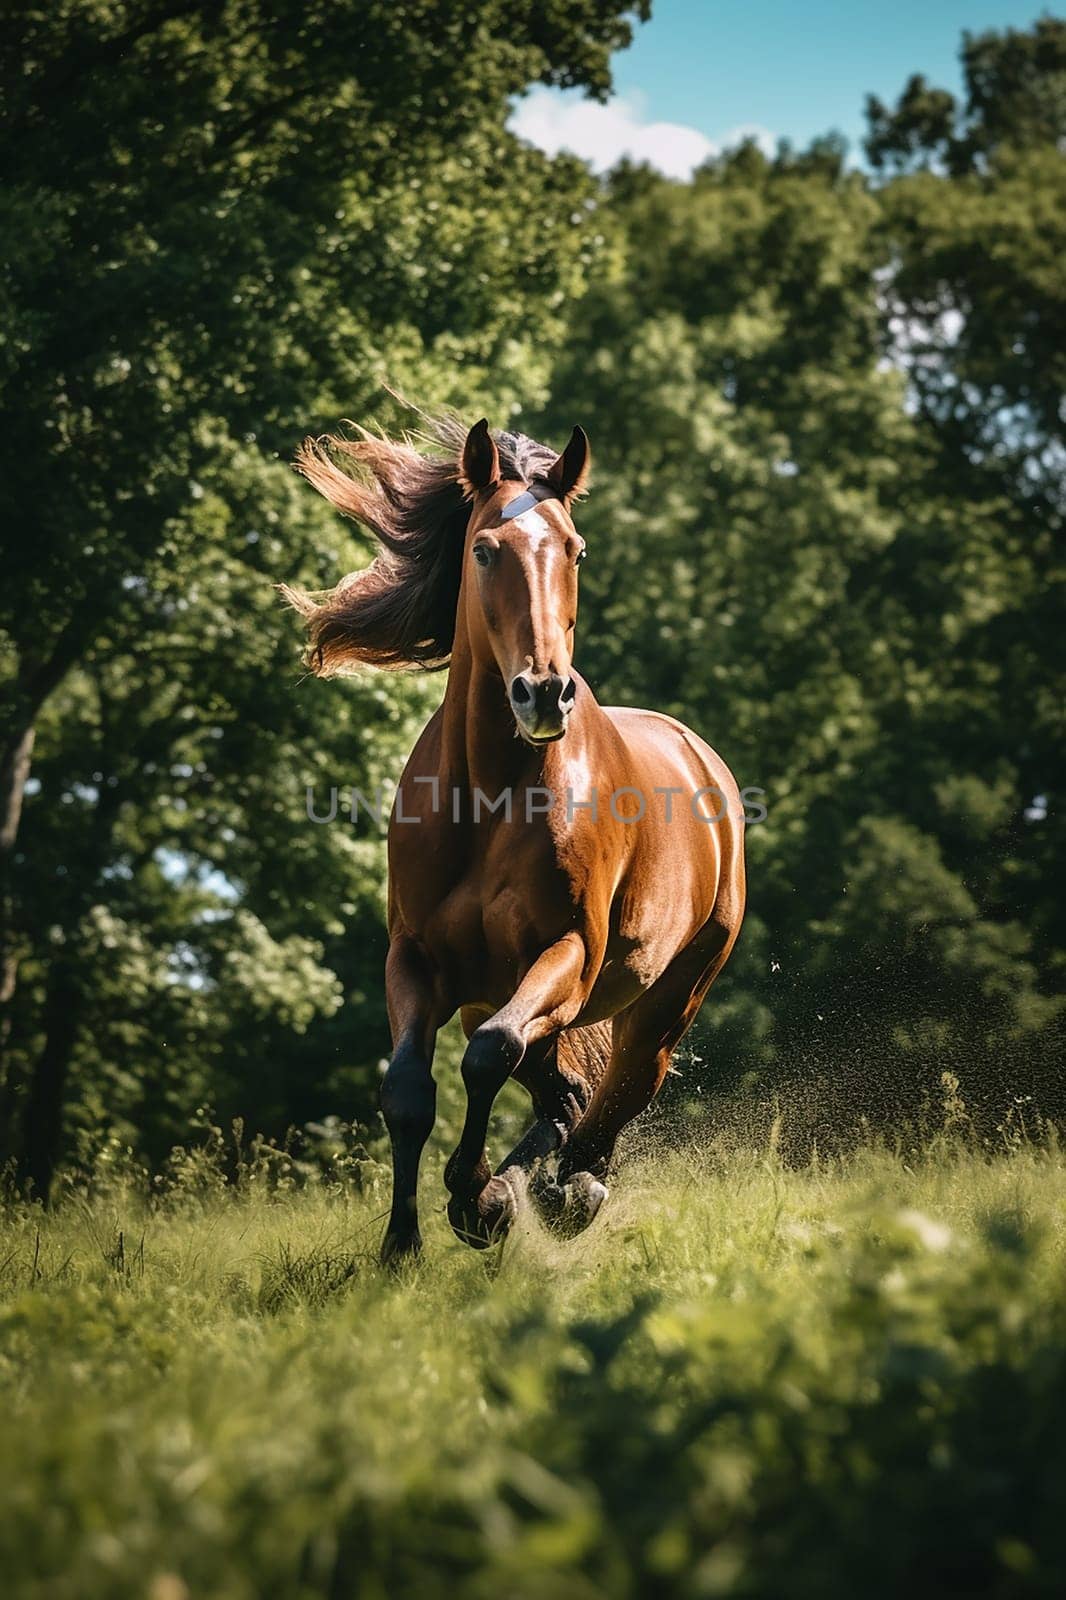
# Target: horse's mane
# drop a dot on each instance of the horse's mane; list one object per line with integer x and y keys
{"x": 400, "y": 611}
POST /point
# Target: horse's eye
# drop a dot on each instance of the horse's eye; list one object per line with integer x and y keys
{"x": 483, "y": 554}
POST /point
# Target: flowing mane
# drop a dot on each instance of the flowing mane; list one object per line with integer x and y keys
{"x": 400, "y": 611}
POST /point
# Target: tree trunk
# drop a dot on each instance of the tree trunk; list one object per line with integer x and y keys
{"x": 35, "y": 682}
{"x": 44, "y": 1109}
{"x": 33, "y": 685}
{"x": 14, "y": 771}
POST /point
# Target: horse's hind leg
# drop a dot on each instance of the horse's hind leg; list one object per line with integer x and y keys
{"x": 644, "y": 1038}
{"x": 561, "y": 1080}
{"x": 637, "y": 1070}
{"x": 634, "y": 1073}
{"x": 560, "y": 1095}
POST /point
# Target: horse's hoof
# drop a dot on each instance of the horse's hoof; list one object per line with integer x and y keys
{"x": 569, "y": 1208}
{"x": 466, "y": 1223}
{"x": 591, "y": 1192}
{"x": 397, "y": 1249}
{"x": 498, "y": 1206}
{"x": 485, "y": 1220}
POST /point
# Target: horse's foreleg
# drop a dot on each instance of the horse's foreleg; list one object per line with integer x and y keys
{"x": 547, "y": 999}
{"x": 408, "y": 1093}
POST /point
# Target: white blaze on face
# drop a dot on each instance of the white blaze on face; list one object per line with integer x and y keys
{"x": 534, "y": 527}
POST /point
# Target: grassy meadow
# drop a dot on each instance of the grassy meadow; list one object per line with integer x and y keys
{"x": 745, "y": 1379}
{"x": 823, "y": 388}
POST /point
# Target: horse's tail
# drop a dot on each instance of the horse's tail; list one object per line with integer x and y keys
{"x": 586, "y": 1051}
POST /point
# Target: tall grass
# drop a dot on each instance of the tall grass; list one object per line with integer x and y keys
{"x": 746, "y": 1379}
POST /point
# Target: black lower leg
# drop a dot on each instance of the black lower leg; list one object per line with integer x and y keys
{"x": 408, "y": 1103}
{"x": 570, "y": 1201}
{"x": 559, "y": 1099}
{"x": 588, "y": 1151}
{"x": 490, "y": 1058}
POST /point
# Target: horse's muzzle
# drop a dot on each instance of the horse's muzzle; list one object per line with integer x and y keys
{"x": 542, "y": 704}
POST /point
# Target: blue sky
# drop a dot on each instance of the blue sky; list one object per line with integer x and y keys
{"x": 703, "y": 70}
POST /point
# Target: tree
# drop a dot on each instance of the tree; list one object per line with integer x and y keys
{"x": 228, "y": 222}
{"x": 822, "y": 531}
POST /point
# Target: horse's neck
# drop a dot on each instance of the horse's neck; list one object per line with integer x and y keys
{"x": 480, "y": 746}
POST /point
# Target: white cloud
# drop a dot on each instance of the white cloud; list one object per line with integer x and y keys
{"x": 558, "y": 120}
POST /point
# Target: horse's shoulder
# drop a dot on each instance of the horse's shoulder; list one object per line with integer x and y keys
{"x": 627, "y": 714}
{"x": 428, "y": 743}
{"x": 666, "y": 733}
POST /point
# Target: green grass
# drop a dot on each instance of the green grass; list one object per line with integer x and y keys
{"x": 848, "y": 1380}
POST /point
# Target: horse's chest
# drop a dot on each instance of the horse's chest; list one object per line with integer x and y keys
{"x": 478, "y": 942}
{"x": 495, "y": 918}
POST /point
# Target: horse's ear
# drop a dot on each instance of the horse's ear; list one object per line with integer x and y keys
{"x": 569, "y": 472}
{"x": 480, "y": 465}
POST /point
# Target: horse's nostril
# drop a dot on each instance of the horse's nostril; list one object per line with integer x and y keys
{"x": 568, "y": 694}
{"x": 521, "y": 693}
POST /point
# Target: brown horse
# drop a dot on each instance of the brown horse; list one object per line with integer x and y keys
{"x": 568, "y": 876}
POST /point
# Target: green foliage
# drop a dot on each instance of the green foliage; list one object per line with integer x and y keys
{"x": 744, "y": 1380}
{"x": 825, "y": 530}
{"x": 241, "y": 219}
{"x": 1016, "y": 97}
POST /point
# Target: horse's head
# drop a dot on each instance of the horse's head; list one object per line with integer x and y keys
{"x": 522, "y": 555}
